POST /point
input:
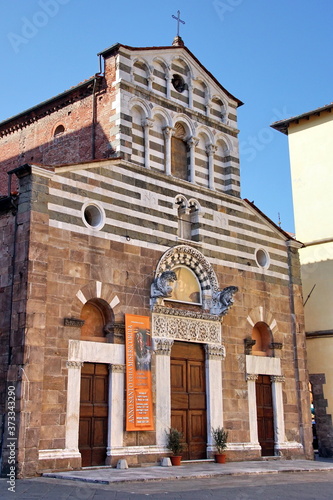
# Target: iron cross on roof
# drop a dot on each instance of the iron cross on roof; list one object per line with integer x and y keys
{"x": 178, "y": 21}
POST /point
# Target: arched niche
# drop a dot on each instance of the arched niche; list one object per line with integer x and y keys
{"x": 98, "y": 320}
{"x": 262, "y": 335}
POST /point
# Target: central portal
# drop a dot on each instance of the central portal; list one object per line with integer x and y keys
{"x": 188, "y": 397}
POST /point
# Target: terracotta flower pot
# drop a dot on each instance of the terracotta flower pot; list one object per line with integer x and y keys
{"x": 220, "y": 459}
{"x": 175, "y": 460}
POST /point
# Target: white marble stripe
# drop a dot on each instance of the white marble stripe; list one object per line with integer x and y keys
{"x": 168, "y": 223}
{"x": 185, "y": 191}
{"x": 147, "y": 244}
{"x": 261, "y": 239}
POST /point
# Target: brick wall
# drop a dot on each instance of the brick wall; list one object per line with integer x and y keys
{"x": 30, "y": 137}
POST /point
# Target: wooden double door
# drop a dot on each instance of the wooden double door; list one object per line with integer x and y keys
{"x": 265, "y": 415}
{"x": 188, "y": 397}
{"x": 93, "y": 426}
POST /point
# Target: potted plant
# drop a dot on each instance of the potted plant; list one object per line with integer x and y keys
{"x": 220, "y": 437}
{"x": 174, "y": 444}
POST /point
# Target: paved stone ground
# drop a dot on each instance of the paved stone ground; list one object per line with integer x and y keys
{"x": 272, "y": 480}
{"x": 291, "y": 486}
{"x": 202, "y": 469}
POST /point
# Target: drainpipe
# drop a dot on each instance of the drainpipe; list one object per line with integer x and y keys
{"x": 94, "y": 120}
{"x": 94, "y": 109}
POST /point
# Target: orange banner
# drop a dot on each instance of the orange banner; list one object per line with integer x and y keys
{"x": 139, "y": 401}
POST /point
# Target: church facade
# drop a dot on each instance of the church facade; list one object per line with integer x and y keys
{"x": 129, "y": 258}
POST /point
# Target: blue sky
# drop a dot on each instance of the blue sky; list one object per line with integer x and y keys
{"x": 274, "y": 55}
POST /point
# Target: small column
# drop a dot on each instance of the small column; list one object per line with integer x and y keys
{"x": 277, "y": 397}
{"x": 168, "y": 79}
{"x": 192, "y": 143}
{"x": 147, "y": 124}
{"x": 190, "y": 94}
{"x": 116, "y": 407}
{"x": 162, "y": 348}
{"x": 211, "y": 149}
{"x": 73, "y": 404}
{"x": 214, "y": 355}
{"x": 167, "y": 147}
{"x": 150, "y": 77}
{"x": 251, "y": 390}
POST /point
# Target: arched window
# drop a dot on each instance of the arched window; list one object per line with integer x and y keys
{"x": 188, "y": 212}
{"x": 98, "y": 320}
{"x": 179, "y": 153}
{"x": 60, "y": 129}
{"x": 187, "y": 287}
{"x": 262, "y": 334}
{"x": 138, "y": 138}
{"x": 140, "y": 73}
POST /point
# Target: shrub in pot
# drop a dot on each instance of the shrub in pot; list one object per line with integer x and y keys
{"x": 175, "y": 445}
{"x": 220, "y": 437}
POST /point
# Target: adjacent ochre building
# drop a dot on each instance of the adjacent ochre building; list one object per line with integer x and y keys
{"x": 123, "y": 205}
{"x": 311, "y": 159}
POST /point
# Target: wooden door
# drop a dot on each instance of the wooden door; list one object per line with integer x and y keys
{"x": 93, "y": 427}
{"x": 188, "y": 397}
{"x": 265, "y": 415}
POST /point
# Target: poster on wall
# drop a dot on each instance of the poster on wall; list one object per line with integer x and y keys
{"x": 139, "y": 401}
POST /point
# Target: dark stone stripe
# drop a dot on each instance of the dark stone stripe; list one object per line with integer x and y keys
{"x": 124, "y": 67}
{"x": 140, "y": 79}
{"x": 198, "y": 105}
{"x": 159, "y": 88}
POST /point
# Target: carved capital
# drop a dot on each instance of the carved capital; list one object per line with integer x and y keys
{"x": 73, "y": 322}
{"x": 215, "y": 351}
{"x": 167, "y": 131}
{"x": 248, "y": 344}
{"x": 74, "y": 364}
{"x": 211, "y": 149}
{"x": 119, "y": 329}
{"x": 147, "y": 123}
{"x": 277, "y": 379}
{"x": 192, "y": 142}
{"x": 276, "y": 345}
{"x": 117, "y": 368}
{"x": 251, "y": 377}
{"x": 163, "y": 346}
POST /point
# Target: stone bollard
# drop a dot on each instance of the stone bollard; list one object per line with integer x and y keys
{"x": 166, "y": 462}
{"x": 122, "y": 464}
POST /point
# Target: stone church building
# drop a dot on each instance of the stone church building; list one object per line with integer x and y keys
{"x": 121, "y": 206}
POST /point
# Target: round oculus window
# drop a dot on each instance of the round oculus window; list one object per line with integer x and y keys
{"x": 178, "y": 83}
{"x": 93, "y": 215}
{"x": 262, "y": 258}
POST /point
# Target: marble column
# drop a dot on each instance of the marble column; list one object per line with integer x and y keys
{"x": 168, "y": 79}
{"x": 251, "y": 390}
{"x": 167, "y": 131}
{"x": 192, "y": 143}
{"x": 277, "y": 397}
{"x": 147, "y": 124}
{"x": 73, "y": 404}
{"x": 116, "y": 408}
{"x": 162, "y": 348}
{"x": 190, "y": 95}
{"x": 211, "y": 149}
{"x": 214, "y": 355}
